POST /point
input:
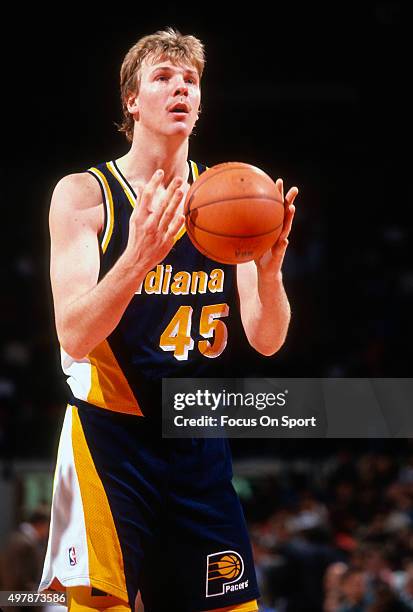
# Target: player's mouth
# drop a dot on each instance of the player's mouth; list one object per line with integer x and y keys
{"x": 179, "y": 109}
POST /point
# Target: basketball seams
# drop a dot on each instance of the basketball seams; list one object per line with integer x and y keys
{"x": 200, "y": 247}
{"x": 221, "y": 201}
{"x": 209, "y": 174}
{"x": 241, "y": 236}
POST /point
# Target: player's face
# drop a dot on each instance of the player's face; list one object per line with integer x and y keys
{"x": 169, "y": 97}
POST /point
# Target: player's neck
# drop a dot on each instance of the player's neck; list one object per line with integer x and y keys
{"x": 143, "y": 158}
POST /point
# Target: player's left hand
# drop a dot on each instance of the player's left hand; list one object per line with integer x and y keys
{"x": 272, "y": 260}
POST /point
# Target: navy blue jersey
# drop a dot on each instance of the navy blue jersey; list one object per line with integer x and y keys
{"x": 176, "y": 325}
{"x": 131, "y": 510}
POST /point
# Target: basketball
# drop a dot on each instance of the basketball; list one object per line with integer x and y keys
{"x": 233, "y": 213}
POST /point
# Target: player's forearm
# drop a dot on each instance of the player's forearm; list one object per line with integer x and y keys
{"x": 90, "y": 319}
{"x": 267, "y": 315}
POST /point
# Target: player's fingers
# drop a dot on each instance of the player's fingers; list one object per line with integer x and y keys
{"x": 291, "y": 195}
{"x": 174, "y": 226}
{"x": 280, "y": 187}
{"x": 150, "y": 189}
{"x": 171, "y": 202}
{"x": 139, "y": 214}
{"x": 170, "y": 195}
{"x": 138, "y": 202}
{"x": 278, "y": 251}
{"x": 173, "y": 186}
{"x": 288, "y": 221}
{"x": 169, "y": 212}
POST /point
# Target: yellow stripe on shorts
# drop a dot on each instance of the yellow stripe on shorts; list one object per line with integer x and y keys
{"x": 106, "y": 569}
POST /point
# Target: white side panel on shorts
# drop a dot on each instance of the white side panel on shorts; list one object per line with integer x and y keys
{"x": 67, "y": 553}
{"x": 80, "y": 374}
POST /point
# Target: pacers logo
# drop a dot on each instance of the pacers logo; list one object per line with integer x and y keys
{"x": 224, "y": 571}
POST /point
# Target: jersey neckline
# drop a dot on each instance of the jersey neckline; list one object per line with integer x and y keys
{"x": 190, "y": 175}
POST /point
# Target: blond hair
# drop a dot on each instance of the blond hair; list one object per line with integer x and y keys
{"x": 169, "y": 44}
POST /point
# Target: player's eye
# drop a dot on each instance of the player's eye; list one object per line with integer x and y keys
{"x": 161, "y": 77}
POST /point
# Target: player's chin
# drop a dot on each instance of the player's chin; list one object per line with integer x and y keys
{"x": 181, "y": 128}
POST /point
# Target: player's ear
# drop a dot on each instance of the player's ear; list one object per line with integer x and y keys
{"x": 132, "y": 103}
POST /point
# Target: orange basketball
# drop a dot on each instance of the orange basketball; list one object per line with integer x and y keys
{"x": 233, "y": 213}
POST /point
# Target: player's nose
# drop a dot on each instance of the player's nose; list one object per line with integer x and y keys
{"x": 181, "y": 90}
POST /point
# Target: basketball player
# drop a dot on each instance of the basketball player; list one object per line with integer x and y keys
{"x": 136, "y": 302}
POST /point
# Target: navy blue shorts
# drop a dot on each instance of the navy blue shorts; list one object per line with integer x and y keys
{"x": 157, "y": 515}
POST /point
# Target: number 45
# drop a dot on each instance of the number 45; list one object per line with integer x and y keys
{"x": 177, "y": 334}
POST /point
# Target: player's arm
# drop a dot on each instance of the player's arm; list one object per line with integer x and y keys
{"x": 86, "y": 310}
{"x": 265, "y": 310}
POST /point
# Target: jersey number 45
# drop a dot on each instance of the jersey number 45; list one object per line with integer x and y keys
{"x": 177, "y": 335}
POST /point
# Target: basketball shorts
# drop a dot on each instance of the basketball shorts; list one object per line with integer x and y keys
{"x": 132, "y": 511}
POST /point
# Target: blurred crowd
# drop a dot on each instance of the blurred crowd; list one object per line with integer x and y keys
{"x": 31, "y": 384}
{"x": 21, "y": 557}
{"x": 337, "y": 537}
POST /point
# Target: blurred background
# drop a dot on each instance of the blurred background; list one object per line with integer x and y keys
{"x": 314, "y": 94}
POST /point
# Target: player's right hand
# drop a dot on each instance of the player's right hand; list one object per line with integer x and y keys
{"x": 155, "y": 221}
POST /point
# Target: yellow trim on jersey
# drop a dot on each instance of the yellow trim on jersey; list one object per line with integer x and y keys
{"x": 109, "y": 387}
{"x": 114, "y": 171}
{"x": 106, "y": 569}
{"x": 112, "y": 168}
{"x": 108, "y": 205}
{"x": 248, "y": 606}
{"x": 180, "y": 233}
{"x": 195, "y": 171}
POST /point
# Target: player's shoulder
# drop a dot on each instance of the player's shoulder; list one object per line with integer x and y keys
{"x": 78, "y": 190}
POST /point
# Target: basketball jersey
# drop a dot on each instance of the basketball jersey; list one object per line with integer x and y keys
{"x": 177, "y": 324}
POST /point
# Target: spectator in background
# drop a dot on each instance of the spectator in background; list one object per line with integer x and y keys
{"x": 332, "y": 580}
{"x": 21, "y": 560}
{"x": 307, "y": 555}
{"x": 354, "y": 591}
{"x": 377, "y": 565}
{"x": 406, "y": 590}
{"x": 386, "y": 600}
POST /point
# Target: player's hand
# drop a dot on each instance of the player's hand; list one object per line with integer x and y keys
{"x": 155, "y": 221}
{"x": 271, "y": 262}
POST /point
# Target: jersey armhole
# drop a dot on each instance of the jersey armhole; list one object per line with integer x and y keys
{"x": 196, "y": 169}
{"x": 105, "y": 229}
